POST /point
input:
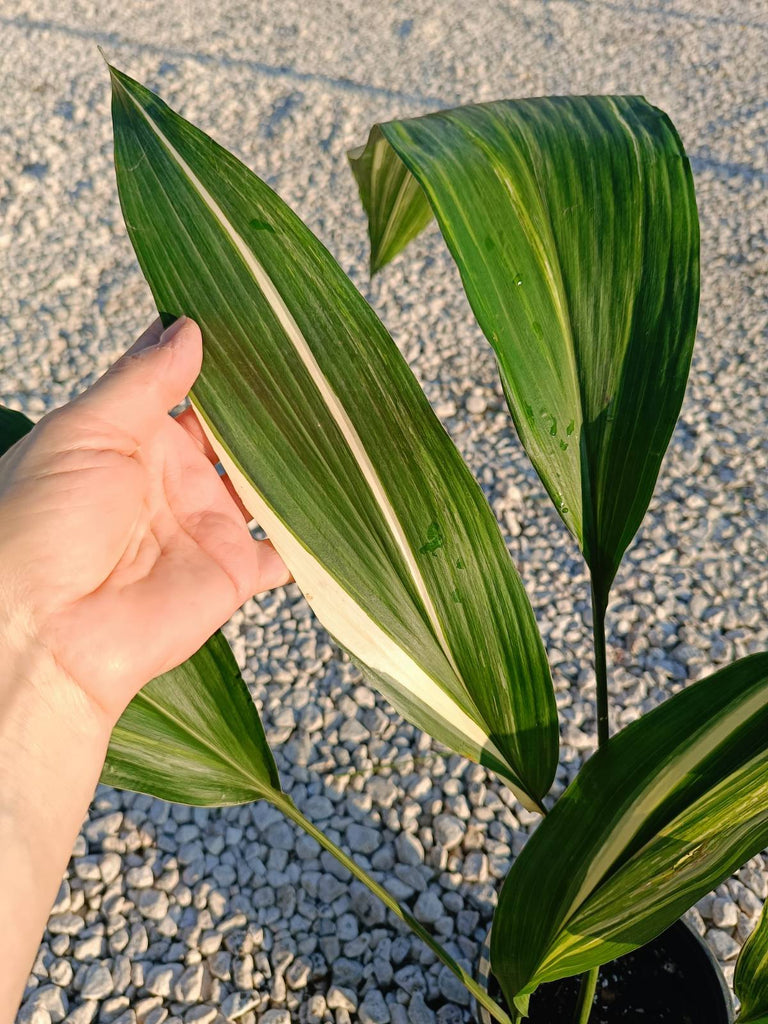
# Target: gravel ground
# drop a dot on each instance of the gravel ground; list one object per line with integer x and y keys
{"x": 168, "y": 913}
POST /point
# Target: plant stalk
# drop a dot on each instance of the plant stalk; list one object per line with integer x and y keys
{"x": 290, "y": 810}
{"x": 586, "y": 996}
{"x": 589, "y": 979}
{"x": 601, "y": 669}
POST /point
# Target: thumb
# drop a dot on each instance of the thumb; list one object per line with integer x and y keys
{"x": 153, "y": 376}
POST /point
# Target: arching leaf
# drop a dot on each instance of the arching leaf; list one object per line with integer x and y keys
{"x": 194, "y": 736}
{"x": 573, "y": 224}
{"x": 657, "y": 818}
{"x": 332, "y": 445}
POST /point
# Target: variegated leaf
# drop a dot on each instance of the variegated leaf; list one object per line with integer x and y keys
{"x": 573, "y": 223}
{"x": 333, "y": 447}
{"x": 750, "y": 981}
{"x": 656, "y": 819}
{"x": 194, "y": 736}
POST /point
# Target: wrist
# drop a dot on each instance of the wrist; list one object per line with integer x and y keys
{"x": 52, "y": 747}
{"x": 42, "y": 708}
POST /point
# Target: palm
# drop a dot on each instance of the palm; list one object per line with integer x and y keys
{"x": 133, "y": 555}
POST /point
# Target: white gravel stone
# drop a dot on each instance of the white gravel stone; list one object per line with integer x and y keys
{"x": 409, "y": 849}
{"x": 90, "y": 948}
{"x": 339, "y": 998}
{"x": 449, "y": 831}
{"x": 159, "y": 979}
{"x": 362, "y": 839}
{"x": 428, "y": 908}
{"x": 52, "y": 999}
{"x": 419, "y": 1012}
{"x": 238, "y": 1003}
{"x": 724, "y": 912}
{"x": 723, "y": 945}
{"x": 61, "y": 973}
{"x": 200, "y": 1015}
{"x": 152, "y": 904}
{"x": 475, "y": 404}
{"x": 33, "y": 1015}
{"x": 373, "y": 1009}
{"x": 188, "y": 986}
{"x": 83, "y": 1013}
{"x": 140, "y": 877}
{"x": 97, "y": 983}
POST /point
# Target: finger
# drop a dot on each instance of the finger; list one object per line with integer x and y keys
{"x": 189, "y": 421}
{"x": 273, "y": 572}
{"x": 154, "y": 375}
{"x": 251, "y": 565}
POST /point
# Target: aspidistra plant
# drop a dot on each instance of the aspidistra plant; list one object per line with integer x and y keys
{"x": 573, "y": 223}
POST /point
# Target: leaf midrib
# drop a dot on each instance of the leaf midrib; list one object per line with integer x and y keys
{"x": 258, "y": 785}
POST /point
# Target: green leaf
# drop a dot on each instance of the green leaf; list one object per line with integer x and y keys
{"x": 334, "y": 448}
{"x": 750, "y": 980}
{"x": 657, "y": 818}
{"x": 573, "y": 224}
{"x": 194, "y": 736}
{"x": 13, "y": 426}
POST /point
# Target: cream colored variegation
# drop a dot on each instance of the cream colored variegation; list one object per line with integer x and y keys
{"x": 345, "y": 619}
{"x": 336, "y": 409}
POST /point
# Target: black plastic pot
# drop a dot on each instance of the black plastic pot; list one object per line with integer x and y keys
{"x": 673, "y": 980}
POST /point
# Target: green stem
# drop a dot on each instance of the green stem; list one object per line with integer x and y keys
{"x": 589, "y": 980}
{"x": 287, "y": 806}
{"x": 586, "y": 996}
{"x": 601, "y": 670}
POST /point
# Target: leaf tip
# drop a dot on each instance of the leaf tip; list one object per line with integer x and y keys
{"x": 113, "y": 72}
{"x": 117, "y": 78}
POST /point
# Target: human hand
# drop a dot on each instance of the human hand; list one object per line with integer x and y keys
{"x": 121, "y": 548}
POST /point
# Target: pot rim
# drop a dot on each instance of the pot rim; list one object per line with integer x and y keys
{"x": 484, "y": 971}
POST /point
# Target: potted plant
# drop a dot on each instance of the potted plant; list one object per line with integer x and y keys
{"x": 573, "y": 222}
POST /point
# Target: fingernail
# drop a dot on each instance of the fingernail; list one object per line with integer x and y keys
{"x": 148, "y": 339}
{"x": 170, "y": 332}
